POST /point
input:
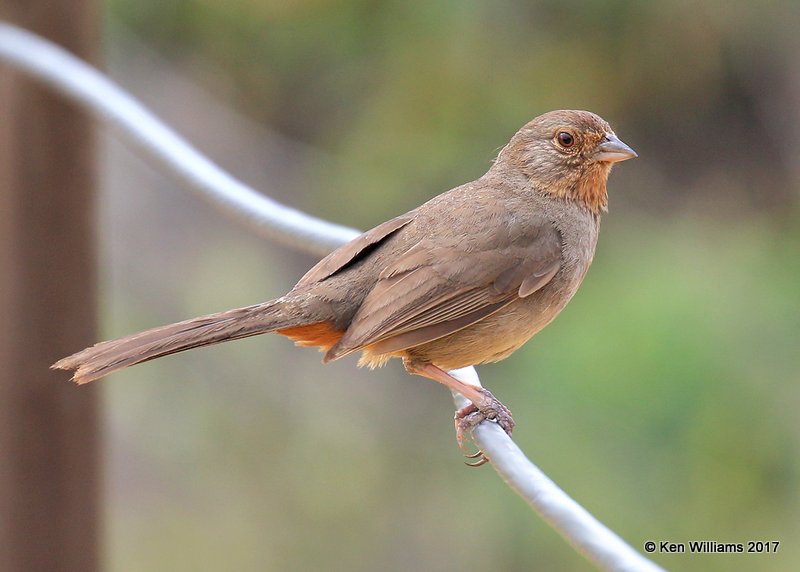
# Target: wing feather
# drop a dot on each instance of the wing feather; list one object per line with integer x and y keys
{"x": 431, "y": 291}
{"x": 350, "y": 253}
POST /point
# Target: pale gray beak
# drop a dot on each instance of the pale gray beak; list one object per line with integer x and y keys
{"x": 612, "y": 150}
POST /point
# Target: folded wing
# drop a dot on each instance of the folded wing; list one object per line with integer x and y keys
{"x": 431, "y": 291}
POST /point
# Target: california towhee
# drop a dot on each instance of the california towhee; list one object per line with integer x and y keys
{"x": 464, "y": 279}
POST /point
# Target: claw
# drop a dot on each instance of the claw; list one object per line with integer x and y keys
{"x": 482, "y": 461}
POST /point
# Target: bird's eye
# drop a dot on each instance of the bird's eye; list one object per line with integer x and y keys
{"x": 565, "y": 139}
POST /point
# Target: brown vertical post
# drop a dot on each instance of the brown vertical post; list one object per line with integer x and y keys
{"x": 49, "y": 461}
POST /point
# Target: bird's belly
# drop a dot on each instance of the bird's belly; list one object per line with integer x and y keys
{"x": 497, "y": 336}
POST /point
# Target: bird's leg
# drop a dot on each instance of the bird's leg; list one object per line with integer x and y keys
{"x": 484, "y": 404}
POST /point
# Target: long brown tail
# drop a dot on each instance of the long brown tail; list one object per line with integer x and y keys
{"x": 106, "y": 357}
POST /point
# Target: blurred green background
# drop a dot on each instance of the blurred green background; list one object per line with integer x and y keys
{"x": 665, "y": 397}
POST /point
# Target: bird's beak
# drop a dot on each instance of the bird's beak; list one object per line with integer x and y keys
{"x": 612, "y": 150}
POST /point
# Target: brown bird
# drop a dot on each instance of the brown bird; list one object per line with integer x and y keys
{"x": 464, "y": 279}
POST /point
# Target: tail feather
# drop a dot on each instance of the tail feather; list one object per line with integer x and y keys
{"x": 106, "y": 357}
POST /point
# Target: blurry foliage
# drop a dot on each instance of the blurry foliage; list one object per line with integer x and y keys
{"x": 665, "y": 397}
{"x": 701, "y": 88}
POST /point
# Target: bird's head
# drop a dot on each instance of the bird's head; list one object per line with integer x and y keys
{"x": 567, "y": 154}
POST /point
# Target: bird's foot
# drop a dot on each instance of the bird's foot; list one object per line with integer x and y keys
{"x": 469, "y": 417}
{"x": 484, "y": 405}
